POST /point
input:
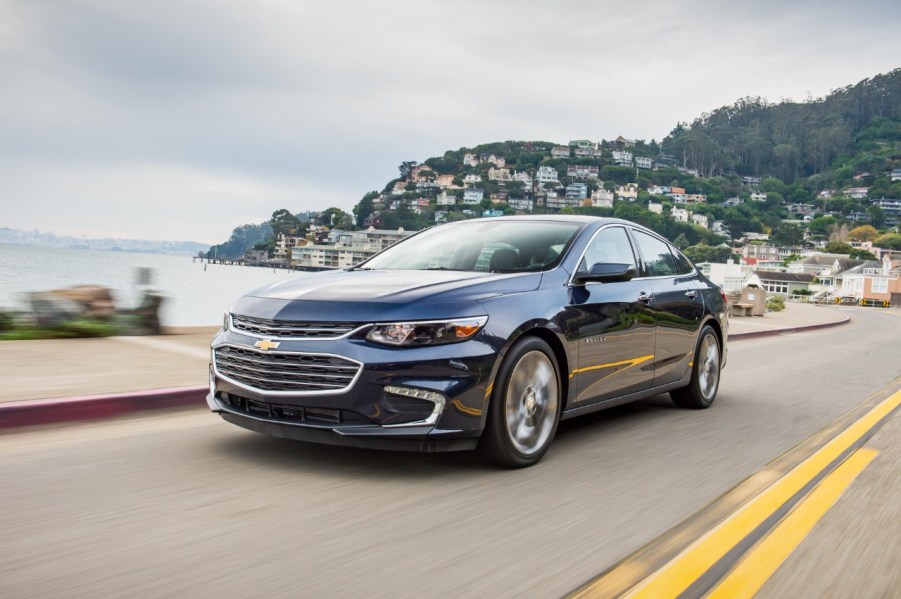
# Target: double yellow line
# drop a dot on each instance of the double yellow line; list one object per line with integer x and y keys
{"x": 736, "y": 556}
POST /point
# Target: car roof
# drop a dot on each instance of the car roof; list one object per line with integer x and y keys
{"x": 571, "y": 218}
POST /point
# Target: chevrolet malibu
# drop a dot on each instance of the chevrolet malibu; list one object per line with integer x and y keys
{"x": 482, "y": 334}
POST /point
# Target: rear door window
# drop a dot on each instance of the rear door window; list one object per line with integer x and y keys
{"x": 656, "y": 257}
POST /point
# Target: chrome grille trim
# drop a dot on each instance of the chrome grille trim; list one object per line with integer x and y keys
{"x": 290, "y": 329}
{"x": 281, "y": 373}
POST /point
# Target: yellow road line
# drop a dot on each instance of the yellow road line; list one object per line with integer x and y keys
{"x": 700, "y": 556}
{"x": 765, "y": 558}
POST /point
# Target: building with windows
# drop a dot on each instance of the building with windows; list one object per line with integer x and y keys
{"x": 873, "y": 280}
{"x": 349, "y": 248}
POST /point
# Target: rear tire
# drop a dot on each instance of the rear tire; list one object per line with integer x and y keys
{"x": 525, "y": 406}
{"x": 705, "y": 374}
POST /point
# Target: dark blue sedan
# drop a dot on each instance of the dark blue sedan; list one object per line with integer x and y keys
{"x": 481, "y": 334}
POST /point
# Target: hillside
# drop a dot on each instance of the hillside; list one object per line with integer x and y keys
{"x": 799, "y": 171}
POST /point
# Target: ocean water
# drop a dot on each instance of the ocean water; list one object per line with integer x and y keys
{"x": 196, "y": 293}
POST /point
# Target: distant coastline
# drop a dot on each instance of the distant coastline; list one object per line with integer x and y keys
{"x": 146, "y": 246}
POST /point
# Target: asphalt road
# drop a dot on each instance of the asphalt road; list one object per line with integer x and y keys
{"x": 183, "y": 504}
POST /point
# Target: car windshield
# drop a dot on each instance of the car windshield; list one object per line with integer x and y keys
{"x": 486, "y": 246}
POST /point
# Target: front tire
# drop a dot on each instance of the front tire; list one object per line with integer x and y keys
{"x": 525, "y": 406}
{"x": 705, "y": 374}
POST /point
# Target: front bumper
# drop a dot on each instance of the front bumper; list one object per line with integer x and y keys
{"x": 366, "y": 414}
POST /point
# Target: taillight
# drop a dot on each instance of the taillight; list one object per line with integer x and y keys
{"x": 725, "y": 299}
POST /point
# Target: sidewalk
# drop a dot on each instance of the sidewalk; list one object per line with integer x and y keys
{"x": 75, "y": 379}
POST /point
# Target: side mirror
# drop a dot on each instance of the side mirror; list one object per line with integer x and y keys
{"x": 606, "y": 272}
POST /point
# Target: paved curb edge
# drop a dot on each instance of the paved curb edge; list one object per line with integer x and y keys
{"x": 802, "y": 329}
{"x": 34, "y": 412}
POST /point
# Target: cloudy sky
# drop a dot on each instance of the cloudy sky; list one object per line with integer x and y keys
{"x": 181, "y": 119}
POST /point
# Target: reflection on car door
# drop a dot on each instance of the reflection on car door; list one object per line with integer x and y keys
{"x": 614, "y": 330}
{"x": 677, "y": 304}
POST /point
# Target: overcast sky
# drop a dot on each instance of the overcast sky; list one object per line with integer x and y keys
{"x": 181, "y": 119}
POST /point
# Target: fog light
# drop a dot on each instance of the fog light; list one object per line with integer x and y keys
{"x": 421, "y": 394}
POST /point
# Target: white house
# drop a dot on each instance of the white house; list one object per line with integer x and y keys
{"x": 548, "y": 174}
{"x": 499, "y": 174}
{"x": 699, "y": 219}
{"x": 602, "y": 198}
{"x": 622, "y": 158}
{"x": 446, "y": 199}
{"x": 627, "y": 192}
{"x": 642, "y": 162}
{"x": 473, "y": 195}
{"x": 680, "y": 215}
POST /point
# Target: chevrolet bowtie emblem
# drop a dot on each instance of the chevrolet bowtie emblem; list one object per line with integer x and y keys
{"x": 265, "y": 344}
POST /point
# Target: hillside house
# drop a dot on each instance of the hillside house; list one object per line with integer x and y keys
{"x": 857, "y": 193}
{"x": 473, "y": 195}
{"x": 578, "y": 191}
{"x": 680, "y": 215}
{"x": 524, "y": 178}
{"x": 560, "y": 152}
{"x": 499, "y": 174}
{"x": 548, "y": 174}
{"x": 446, "y": 199}
{"x": 602, "y": 198}
{"x": 444, "y": 181}
{"x": 627, "y": 192}
{"x": 622, "y": 158}
{"x": 642, "y": 162}
{"x": 577, "y": 171}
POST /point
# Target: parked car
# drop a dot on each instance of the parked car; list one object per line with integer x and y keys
{"x": 481, "y": 334}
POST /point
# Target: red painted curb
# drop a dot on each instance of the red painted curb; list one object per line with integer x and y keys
{"x": 96, "y": 407}
{"x": 771, "y": 332}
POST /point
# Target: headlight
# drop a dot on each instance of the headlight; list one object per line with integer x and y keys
{"x": 226, "y": 321}
{"x": 426, "y": 333}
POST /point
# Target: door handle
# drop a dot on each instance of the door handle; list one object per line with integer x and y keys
{"x": 644, "y": 297}
{"x": 691, "y": 294}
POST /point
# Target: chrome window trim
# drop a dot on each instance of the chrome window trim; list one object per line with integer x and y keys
{"x": 622, "y": 226}
{"x": 264, "y": 392}
{"x": 694, "y": 269}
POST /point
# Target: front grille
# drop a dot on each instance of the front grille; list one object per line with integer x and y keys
{"x": 291, "y": 329}
{"x": 274, "y": 371}
{"x": 292, "y": 414}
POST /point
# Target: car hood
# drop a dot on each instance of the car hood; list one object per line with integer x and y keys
{"x": 377, "y": 295}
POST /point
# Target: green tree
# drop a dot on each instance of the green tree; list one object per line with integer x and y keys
{"x": 406, "y": 167}
{"x": 364, "y": 208}
{"x": 242, "y": 239}
{"x": 788, "y": 235}
{"x": 889, "y": 241}
{"x": 705, "y": 253}
{"x": 877, "y": 216}
{"x": 837, "y": 247}
{"x": 285, "y": 223}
